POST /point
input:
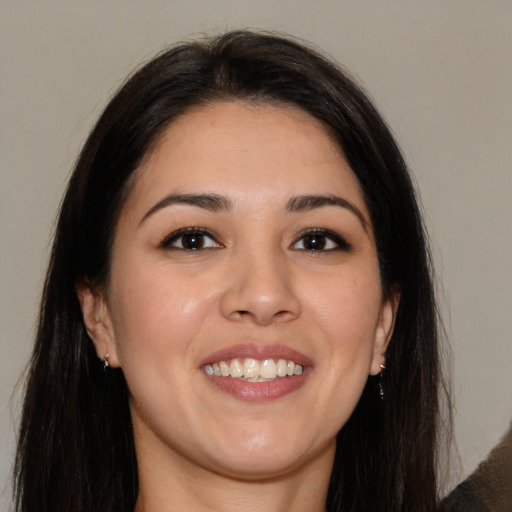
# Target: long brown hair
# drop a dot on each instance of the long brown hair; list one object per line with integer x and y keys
{"x": 76, "y": 449}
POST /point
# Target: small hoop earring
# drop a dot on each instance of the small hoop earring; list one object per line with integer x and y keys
{"x": 381, "y": 389}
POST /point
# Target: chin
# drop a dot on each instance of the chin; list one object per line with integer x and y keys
{"x": 258, "y": 467}
{"x": 260, "y": 456}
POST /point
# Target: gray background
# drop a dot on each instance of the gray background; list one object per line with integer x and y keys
{"x": 440, "y": 72}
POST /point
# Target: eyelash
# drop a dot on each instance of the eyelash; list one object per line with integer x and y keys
{"x": 167, "y": 242}
{"x": 325, "y": 235}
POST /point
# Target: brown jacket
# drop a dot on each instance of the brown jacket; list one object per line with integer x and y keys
{"x": 489, "y": 487}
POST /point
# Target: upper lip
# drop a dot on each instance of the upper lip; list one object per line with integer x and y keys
{"x": 256, "y": 351}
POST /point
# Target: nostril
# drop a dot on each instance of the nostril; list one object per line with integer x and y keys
{"x": 246, "y": 302}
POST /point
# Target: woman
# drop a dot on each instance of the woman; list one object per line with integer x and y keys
{"x": 239, "y": 309}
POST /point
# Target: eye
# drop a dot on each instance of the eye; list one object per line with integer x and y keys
{"x": 321, "y": 240}
{"x": 190, "y": 239}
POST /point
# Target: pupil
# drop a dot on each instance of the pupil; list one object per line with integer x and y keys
{"x": 315, "y": 242}
{"x": 193, "y": 241}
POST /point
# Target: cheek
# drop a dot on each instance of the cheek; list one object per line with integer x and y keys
{"x": 155, "y": 314}
{"x": 156, "y": 319}
{"x": 346, "y": 311}
{"x": 347, "y": 319}
{"x": 347, "y": 305}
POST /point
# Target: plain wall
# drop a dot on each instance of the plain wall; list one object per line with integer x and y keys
{"x": 439, "y": 71}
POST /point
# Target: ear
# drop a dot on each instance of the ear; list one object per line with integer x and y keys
{"x": 97, "y": 321}
{"x": 384, "y": 331}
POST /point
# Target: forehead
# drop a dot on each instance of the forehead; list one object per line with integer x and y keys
{"x": 246, "y": 151}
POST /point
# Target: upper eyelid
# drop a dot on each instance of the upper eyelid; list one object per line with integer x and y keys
{"x": 319, "y": 231}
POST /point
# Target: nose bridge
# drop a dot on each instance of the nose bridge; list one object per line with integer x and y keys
{"x": 260, "y": 288}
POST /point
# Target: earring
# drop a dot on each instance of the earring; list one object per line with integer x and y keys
{"x": 105, "y": 363}
{"x": 381, "y": 389}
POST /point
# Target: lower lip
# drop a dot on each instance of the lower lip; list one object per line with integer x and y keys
{"x": 259, "y": 391}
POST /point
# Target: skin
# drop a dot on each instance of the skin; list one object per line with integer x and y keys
{"x": 256, "y": 281}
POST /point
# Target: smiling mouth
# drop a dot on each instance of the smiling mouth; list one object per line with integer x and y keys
{"x": 254, "y": 370}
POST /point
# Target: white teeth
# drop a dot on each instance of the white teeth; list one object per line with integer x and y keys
{"x": 224, "y": 369}
{"x": 235, "y": 368}
{"x": 253, "y": 370}
{"x": 282, "y": 368}
{"x": 268, "y": 369}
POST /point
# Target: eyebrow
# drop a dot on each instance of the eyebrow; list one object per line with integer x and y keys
{"x": 211, "y": 202}
{"x": 216, "y": 202}
{"x": 310, "y": 202}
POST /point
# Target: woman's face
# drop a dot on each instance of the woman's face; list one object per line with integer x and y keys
{"x": 244, "y": 304}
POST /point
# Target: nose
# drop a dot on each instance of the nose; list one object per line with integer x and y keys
{"x": 260, "y": 290}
